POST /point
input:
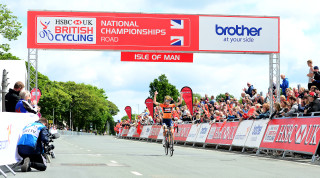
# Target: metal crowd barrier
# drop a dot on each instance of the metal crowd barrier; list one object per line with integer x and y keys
{"x": 67, "y": 132}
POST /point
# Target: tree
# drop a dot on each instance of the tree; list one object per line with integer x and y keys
{"x": 223, "y": 97}
{"x": 133, "y": 116}
{"x": 9, "y": 29}
{"x": 164, "y": 88}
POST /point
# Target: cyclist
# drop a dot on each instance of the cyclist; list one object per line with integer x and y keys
{"x": 167, "y": 113}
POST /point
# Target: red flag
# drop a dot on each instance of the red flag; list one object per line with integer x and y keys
{"x": 187, "y": 97}
{"x": 35, "y": 92}
{"x": 224, "y": 123}
{"x": 128, "y": 111}
{"x": 149, "y": 103}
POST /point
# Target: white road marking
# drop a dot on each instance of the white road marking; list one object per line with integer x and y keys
{"x": 136, "y": 173}
{"x": 115, "y": 162}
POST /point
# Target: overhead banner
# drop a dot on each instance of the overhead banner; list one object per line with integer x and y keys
{"x": 156, "y": 57}
{"x": 222, "y": 134}
{"x": 128, "y": 111}
{"x": 187, "y": 96}
{"x": 153, "y": 32}
{"x": 294, "y": 134}
{"x": 149, "y": 104}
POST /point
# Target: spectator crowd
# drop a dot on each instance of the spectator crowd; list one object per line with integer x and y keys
{"x": 251, "y": 104}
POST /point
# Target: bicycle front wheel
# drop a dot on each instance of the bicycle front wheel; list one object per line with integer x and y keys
{"x": 166, "y": 148}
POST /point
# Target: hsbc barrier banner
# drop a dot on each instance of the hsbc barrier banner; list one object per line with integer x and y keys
{"x": 155, "y": 130}
{"x": 125, "y": 132}
{"x": 156, "y": 57}
{"x": 222, "y": 134}
{"x": 153, "y": 32}
{"x": 183, "y": 132}
{"x": 11, "y": 126}
{"x": 146, "y": 131}
{"x": 136, "y": 134}
{"x": 203, "y": 133}
{"x": 294, "y": 134}
{"x": 257, "y": 131}
{"x": 193, "y": 133}
{"x": 160, "y": 136}
{"x": 242, "y": 133}
{"x": 132, "y": 130}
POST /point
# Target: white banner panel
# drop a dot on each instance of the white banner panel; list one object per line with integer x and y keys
{"x": 256, "y": 133}
{"x": 160, "y": 136}
{"x": 132, "y": 130}
{"x": 11, "y": 125}
{"x": 242, "y": 133}
{"x": 239, "y": 34}
{"x": 203, "y": 133}
{"x": 193, "y": 133}
{"x": 146, "y": 131}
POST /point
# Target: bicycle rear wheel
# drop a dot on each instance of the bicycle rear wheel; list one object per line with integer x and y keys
{"x": 166, "y": 147}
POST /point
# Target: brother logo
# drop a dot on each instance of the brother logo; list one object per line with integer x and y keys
{"x": 238, "y": 30}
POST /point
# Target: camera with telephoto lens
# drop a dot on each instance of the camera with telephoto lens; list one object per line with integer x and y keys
{"x": 48, "y": 148}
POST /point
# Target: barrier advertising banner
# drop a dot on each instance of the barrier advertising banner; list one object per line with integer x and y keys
{"x": 203, "y": 133}
{"x": 183, "y": 132}
{"x": 11, "y": 126}
{"x": 293, "y": 134}
{"x": 160, "y": 136}
{"x": 146, "y": 131}
{"x": 156, "y": 57}
{"x": 125, "y": 132}
{"x": 155, "y": 130}
{"x": 257, "y": 131}
{"x": 193, "y": 133}
{"x": 222, "y": 135}
{"x": 132, "y": 130}
{"x": 136, "y": 133}
{"x": 149, "y": 104}
{"x": 242, "y": 133}
{"x": 153, "y": 32}
{"x": 187, "y": 96}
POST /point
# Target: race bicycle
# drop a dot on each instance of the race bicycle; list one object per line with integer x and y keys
{"x": 168, "y": 142}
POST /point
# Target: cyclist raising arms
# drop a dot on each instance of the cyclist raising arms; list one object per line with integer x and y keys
{"x": 167, "y": 113}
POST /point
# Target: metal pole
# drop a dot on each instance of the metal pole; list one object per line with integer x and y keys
{"x": 70, "y": 118}
{"x": 53, "y": 117}
{"x": 4, "y": 85}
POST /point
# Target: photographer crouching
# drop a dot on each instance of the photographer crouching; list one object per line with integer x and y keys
{"x": 31, "y": 145}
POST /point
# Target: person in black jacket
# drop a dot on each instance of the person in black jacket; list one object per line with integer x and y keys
{"x": 12, "y": 97}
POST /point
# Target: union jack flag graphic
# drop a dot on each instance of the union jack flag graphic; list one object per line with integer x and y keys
{"x": 177, "y": 40}
{"x": 177, "y": 24}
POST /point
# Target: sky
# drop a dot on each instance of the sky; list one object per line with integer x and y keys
{"x": 127, "y": 84}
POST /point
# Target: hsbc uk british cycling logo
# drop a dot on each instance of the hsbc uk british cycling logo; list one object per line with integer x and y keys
{"x": 45, "y": 32}
{"x": 66, "y": 30}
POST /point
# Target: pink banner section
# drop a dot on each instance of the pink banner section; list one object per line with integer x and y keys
{"x": 188, "y": 98}
{"x": 137, "y": 133}
{"x": 125, "y": 132}
{"x": 183, "y": 132}
{"x": 155, "y": 131}
{"x": 149, "y": 104}
{"x": 294, "y": 134}
{"x": 222, "y": 134}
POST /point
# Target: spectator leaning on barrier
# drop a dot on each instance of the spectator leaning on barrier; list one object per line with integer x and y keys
{"x": 284, "y": 85}
{"x": 30, "y": 145}
{"x": 294, "y": 107}
{"x": 314, "y": 104}
{"x": 310, "y": 74}
{"x": 23, "y": 105}
{"x": 12, "y": 97}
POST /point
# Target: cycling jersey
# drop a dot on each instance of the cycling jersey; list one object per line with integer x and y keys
{"x": 167, "y": 110}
